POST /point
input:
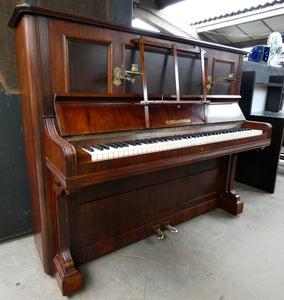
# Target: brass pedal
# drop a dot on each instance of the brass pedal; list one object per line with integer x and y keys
{"x": 160, "y": 234}
{"x": 171, "y": 228}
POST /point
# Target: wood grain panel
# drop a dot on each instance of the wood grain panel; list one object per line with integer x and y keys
{"x": 85, "y": 118}
{"x": 107, "y": 220}
{"x": 88, "y": 66}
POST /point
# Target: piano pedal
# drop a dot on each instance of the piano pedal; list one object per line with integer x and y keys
{"x": 160, "y": 234}
{"x": 171, "y": 228}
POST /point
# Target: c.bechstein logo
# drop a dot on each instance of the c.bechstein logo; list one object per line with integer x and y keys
{"x": 173, "y": 122}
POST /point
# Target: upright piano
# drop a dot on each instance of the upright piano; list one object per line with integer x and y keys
{"x": 128, "y": 133}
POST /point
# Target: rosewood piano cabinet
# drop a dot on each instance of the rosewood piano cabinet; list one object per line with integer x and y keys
{"x": 119, "y": 124}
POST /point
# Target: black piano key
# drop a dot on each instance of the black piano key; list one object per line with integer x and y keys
{"x": 153, "y": 140}
{"x": 112, "y": 145}
{"x": 149, "y": 141}
{"x": 132, "y": 143}
{"x": 88, "y": 148}
{"x": 170, "y": 138}
{"x": 104, "y": 147}
{"x": 144, "y": 141}
{"x": 120, "y": 145}
{"x": 139, "y": 142}
{"x": 124, "y": 144}
{"x": 98, "y": 147}
{"x": 163, "y": 139}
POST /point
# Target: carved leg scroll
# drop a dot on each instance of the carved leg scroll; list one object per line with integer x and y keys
{"x": 229, "y": 200}
{"x": 68, "y": 277}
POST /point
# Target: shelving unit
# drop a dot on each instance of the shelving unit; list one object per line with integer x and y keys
{"x": 275, "y": 93}
{"x": 262, "y": 101}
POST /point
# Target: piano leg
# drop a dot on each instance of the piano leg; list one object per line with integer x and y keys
{"x": 229, "y": 200}
{"x": 67, "y": 275}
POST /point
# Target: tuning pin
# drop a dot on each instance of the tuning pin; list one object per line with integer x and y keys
{"x": 171, "y": 228}
{"x": 160, "y": 234}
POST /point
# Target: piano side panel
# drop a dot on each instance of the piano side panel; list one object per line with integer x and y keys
{"x": 109, "y": 220}
{"x": 32, "y": 102}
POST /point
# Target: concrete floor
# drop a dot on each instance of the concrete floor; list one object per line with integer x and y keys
{"x": 214, "y": 256}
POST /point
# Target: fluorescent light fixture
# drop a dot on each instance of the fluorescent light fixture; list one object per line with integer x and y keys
{"x": 137, "y": 23}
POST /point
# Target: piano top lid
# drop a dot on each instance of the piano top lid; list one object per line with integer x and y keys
{"x": 24, "y": 9}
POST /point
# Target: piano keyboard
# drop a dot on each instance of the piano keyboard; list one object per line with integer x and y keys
{"x": 142, "y": 146}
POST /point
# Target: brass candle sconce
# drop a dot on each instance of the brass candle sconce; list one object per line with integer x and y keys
{"x": 223, "y": 81}
{"x": 120, "y": 73}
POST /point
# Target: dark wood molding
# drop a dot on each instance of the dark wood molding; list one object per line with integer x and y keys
{"x": 25, "y": 9}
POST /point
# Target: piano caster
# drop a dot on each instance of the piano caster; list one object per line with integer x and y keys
{"x": 160, "y": 234}
{"x": 171, "y": 228}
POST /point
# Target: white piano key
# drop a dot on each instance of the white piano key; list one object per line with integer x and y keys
{"x": 158, "y": 146}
